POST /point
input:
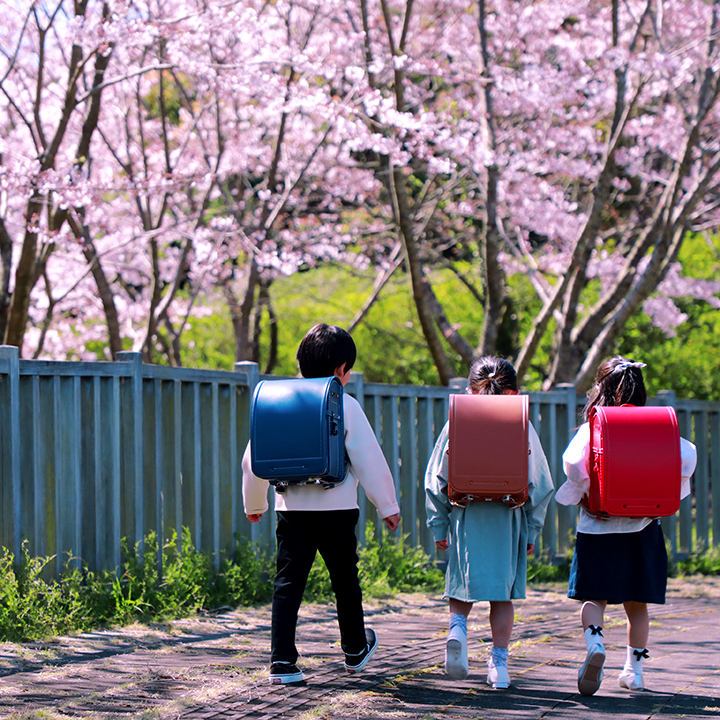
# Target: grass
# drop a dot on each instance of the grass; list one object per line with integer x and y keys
{"x": 33, "y": 607}
{"x": 703, "y": 563}
{"x": 385, "y": 568}
{"x": 542, "y": 570}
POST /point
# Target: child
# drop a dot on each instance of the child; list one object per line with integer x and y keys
{"x": 313, "y": 519}
{"x": 616, "y": 559}
{"x": 488, "y": 542}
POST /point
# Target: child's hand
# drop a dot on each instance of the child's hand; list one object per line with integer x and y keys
{"x": 442, "y": 544}
{"x": 392, "y": 522}
{"x": 254, "y": 517}
{"x": 530, "y": 549}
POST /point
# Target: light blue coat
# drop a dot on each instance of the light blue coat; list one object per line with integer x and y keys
{"x": 487, "y": 557}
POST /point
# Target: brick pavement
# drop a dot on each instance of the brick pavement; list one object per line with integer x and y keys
{"x": 215, "y": 668}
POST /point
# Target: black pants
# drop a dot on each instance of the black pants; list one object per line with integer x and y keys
{"x": 300, "y": 534}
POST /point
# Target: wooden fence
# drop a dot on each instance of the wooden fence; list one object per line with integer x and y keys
{"x": 94, "y": 452}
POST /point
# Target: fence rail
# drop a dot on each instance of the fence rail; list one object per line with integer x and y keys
{"x": 91, "y": 453}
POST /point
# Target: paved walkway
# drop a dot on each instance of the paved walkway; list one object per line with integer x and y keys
{"x": 216, "y": 667}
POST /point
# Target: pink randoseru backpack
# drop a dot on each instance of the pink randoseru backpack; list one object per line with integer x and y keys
{"x": 488, "y": 448}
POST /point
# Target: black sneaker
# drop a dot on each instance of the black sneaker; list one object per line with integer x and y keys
{"x": 355, "y": 663}
{"x": 282, "y": 673}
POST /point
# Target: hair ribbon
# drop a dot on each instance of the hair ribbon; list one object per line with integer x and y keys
{"x": 621, "y": 367}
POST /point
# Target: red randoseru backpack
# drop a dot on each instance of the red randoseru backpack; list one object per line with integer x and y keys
{"x": 635, "y": 464}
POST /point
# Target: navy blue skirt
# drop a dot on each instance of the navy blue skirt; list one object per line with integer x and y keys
{"x": 620, "y": 567}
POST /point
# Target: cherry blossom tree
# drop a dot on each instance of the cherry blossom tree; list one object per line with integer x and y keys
{"x": 584, "y": 138}
{"x": 157, "y": 155}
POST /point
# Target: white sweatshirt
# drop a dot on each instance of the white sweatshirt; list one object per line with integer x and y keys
{"x": 367, "y": 467}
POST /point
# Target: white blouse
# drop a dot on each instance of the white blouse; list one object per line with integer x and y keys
{"x": 576, "y": 464}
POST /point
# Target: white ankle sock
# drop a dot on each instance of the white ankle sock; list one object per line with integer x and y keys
{"x": 635, "y": 656}
{"x": 458, "y": 627}
{"x": 499, "y": 655}
{"x": 594, "y": 636}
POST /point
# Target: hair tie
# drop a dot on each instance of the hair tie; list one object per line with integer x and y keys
{"x": 492, "y": 374}
{"x": 628, "y": 364}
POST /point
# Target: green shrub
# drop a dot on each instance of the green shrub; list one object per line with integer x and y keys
{"x": 244, "y": 580}
{"x": 396, "y": 566}
{"x": 704, "y": 563}
{"x": 33, "y": 608}
{"x": 542, "y": 570}
{"x": 385, "y": 568}
{"x": 30, "y": 607}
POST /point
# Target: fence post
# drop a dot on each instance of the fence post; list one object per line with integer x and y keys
{"x": 566, "y": 516}
{"x": 135, "y": 359}
{"x": 457, "y": 384}
{"x": 357, "y": 388}
{"x": 252, "y": 370}
{"x": 670, "y": 524}
{"x": 12, "y": 355}
{"x": 715, "y": 474}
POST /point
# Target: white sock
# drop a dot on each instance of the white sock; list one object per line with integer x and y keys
{"x": 633, "y": 662}
{"x": 458, "y": 627}
{"x": 499, "y": 656}
{"x": 594, "y": 636}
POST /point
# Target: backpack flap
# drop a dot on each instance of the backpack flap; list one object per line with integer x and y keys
{"x": 488, "y": 448}
{"x": 297, "y": 431}
{"x": 635, "y": 463}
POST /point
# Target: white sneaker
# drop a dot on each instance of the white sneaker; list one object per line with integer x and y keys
{"x": 591, "y": 673}
{"x": 456, "y": 655}
{"x": 631, "y": 680}
{"x": 498, "y": 676}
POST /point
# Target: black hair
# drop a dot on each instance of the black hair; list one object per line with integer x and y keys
{"x": 491, "y": 376}
{"x": 619, "y": 381}
{"x": 324, "y": 349}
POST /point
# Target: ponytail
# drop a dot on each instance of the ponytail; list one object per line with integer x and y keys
{"x": 619, "y": 381}
{"x": 492, "y": 376}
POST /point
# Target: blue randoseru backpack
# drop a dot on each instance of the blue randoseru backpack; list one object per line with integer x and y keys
{"x": 297, "y": 434}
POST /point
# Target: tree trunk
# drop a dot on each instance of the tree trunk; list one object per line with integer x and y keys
{"x": 26, "y": 274}
{"x": 107, "y": 297}
{"x": 492, "y": 271}
{"x": 421, "y": 290}
{"x": 5, "y": 272}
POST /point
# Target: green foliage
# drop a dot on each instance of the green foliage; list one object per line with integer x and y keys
{"x": 384, "y": 569}
{"x": 704, "y": 563}
{"x": 208, "y": 340}
{"x": 318, "y": 587}
{"x": 686, "y": 363}
{"x": 542, "y": 570}
{"x": 246, "y": 580}
{"x": 390, "y": 344}
{"x": 396, "y": 566}
{"x": 183, "y": 588}
{"x": 32, "y": 607}
{"x": 392, "y": 349}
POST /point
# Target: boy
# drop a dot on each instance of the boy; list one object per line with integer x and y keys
{"x": 313, "y": 519}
